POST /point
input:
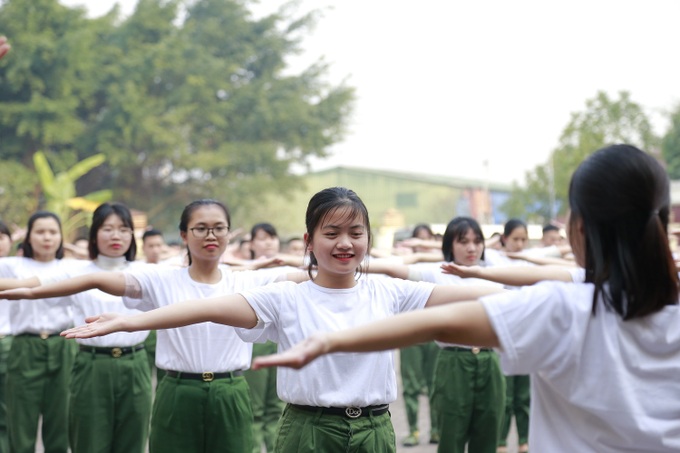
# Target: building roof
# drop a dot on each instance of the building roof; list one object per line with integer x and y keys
{"x": 444, "y": 180}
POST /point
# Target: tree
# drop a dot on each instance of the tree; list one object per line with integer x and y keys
{"x": 603, "y": 122}
{"x": 47, "y": 80}
{"x": 18, "y": 197}
{"x": 204, "y": 109}
{"x": 182, "y": 108}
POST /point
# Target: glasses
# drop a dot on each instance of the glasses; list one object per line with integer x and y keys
{"x": 107, "y": 231}
{"x": 201, "y": 232}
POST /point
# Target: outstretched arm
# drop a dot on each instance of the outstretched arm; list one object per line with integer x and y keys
{"x": 422, "y": 257}
{"x": 109, "y": 282}
{"x": 11, "y": 283}
{"x": 232, "y": 310}
{"x": 463, "y": 323}
{"x": 510, "y": 275}
{"x": 387, "y": 267}
{"x": 417, "y": 242}
{"x": 445, "y": 294}
{"x": 541, "y": 260}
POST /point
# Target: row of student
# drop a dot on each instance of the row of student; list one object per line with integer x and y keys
{"x": 155, "y": 250}
{"x": 108, "y": 380}
{"x": 463, "y": 235}
{"x": 265, "y": 244}
{"x": 340, "y": 400}
{"x": 463, "y": 244}
{"x": 587, "y": 345}
{"x": 338, "y": 237}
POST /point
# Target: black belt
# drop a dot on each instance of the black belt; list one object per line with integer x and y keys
{"x": 350, "y": 412}
{"x": 43, "y": 335}
{"x": 206, "y": 376}
{"x": 472, "y": 350}
{"x": 113, "y": 352}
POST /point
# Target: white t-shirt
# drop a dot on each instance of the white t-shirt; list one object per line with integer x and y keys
{"x": 40, "y": 315}
{"x": 598, "y": 384}
{"x": 549, "y": 251}
{"x": 94, "y": 302}
{"x": 199, "y": 347}
{"x": 494, "y": 257}
{"x": 432, "y": 272}
{"x": 290, "y": 312}
{"x": 578, "y": 274}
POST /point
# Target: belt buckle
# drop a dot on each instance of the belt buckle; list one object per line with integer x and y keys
{"x": 475, "y": 350}
{"x": 116, "y": 352}
{"x": 44, "y": 335}
{"x": 353, "y": 412}
{"x": 208, "y": 376}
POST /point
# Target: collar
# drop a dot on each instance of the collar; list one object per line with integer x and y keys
{"x": 111, "y": 264}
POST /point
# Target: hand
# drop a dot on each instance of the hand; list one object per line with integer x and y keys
{"x": 296, "y": 357}
{"x": 18, "y": 233}
{"x": 4, "y": 46}
{"x": 461, "y": 271}
{"x": 96, "y": 326}
{"x": 16, "y": 294}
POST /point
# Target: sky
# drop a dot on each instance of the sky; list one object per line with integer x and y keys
{"x": 480, "y": 89}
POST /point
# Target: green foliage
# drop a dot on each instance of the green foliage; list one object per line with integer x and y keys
{"x": 46, "y": 79}
{"x": 182, "y": 108}
{"x": 18, "y": 198}
{"x": 604, "y": 122}
{"x": 670, "y": 145}
{"x": 60, "y": 191}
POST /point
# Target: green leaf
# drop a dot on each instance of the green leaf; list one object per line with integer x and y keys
{"x": 85, "y": 166}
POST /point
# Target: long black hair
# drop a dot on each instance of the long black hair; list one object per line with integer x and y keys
{"x": 620, "y": 198}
